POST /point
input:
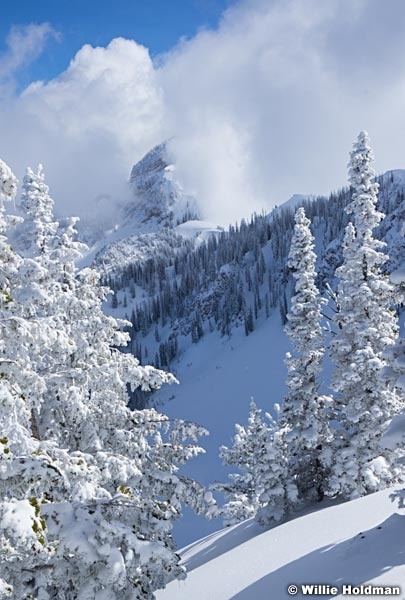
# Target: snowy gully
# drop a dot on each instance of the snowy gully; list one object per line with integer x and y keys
{"x": 346, "y": 590}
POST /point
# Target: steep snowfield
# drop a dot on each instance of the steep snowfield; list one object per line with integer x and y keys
{"x": 218, "y": 377}
{"x": 355, "y": 543}
{"x": 201, "y": 230}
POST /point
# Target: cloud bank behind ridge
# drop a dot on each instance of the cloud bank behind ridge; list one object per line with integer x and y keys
{"x": 266, "y": 105}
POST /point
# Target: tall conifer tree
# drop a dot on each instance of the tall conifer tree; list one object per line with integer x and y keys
{"x": 366, "y": 326}
{"x": 303, "y": 412}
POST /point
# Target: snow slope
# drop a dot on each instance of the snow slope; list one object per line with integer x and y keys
{"x": 351, "y": 543}
{"x": 218, "y": 377}
{"x": 201, "y": 230}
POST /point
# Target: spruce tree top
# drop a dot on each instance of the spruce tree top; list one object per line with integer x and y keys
{"x": 304, "y": 314}
{"x": 35, "y": 199}
{"x": 365, "y": 189}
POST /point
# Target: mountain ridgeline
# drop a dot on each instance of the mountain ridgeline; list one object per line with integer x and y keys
{"x": 176, "y": 288}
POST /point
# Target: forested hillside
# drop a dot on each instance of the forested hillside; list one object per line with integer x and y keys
{"x": 174, "y": 289}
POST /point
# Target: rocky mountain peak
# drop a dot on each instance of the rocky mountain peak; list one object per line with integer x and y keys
{"x": 159, "y": 199}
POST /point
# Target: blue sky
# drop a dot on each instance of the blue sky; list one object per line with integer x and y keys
{"x": 156, "y": 24}
{"x": 260, "y": 102}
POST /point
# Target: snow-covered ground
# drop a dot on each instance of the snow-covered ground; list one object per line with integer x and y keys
{"x": 357, "y": 542}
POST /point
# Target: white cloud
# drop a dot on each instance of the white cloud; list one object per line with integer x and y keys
{"x": 88, "y": 126}
{"x": 263, "y": 107}
{"x": 24, "y": 44}
{"x": 294, "y": 81}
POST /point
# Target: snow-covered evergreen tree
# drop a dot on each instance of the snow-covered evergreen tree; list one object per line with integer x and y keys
{"x": 304, "y": 413}
{"x": 21, "y": 461}
{"x": 261, "y": 486}
{"x": 366, "y": 326}
{"x": 282, "y": 462}
{"x": 38, "y": 226}
{"x": 88, "y": 489}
